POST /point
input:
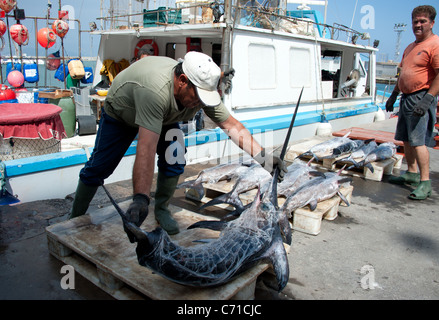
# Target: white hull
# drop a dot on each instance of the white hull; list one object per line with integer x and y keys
{"x": 271, "y": 69}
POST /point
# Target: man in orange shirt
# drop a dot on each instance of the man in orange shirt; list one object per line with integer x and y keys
{"x": 419, "y": 84}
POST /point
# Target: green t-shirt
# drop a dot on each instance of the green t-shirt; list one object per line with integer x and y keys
{"x": 143, "y": 95}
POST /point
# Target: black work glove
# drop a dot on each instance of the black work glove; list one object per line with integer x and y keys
{"x": 227, "y": 79}
{"x": 421, "y": 108}
{"x": 138, "y": 209}
{"x": 391, "y": 101}
{"x": 229, "y": 72}
{"x": 270, "y": 161}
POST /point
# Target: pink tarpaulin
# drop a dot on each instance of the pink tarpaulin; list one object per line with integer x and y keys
{"x": 31, "y": 121}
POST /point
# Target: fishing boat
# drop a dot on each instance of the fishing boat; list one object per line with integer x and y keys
{"x": 274, "y": 51}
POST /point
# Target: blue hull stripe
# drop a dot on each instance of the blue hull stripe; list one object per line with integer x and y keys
{"x": 64, "y": 159}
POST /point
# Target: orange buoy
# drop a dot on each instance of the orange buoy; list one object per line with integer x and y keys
{"x": 19, "y": 34}
{"x": 15, "y": 78}
{"x": 60, "y": 27}
{"x": 46, "y": 37}
{"x": 3, "y": 28}
{"x": 7, "y": 5}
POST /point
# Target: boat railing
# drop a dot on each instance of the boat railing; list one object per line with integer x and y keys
{"x": 20, "y": 57}
{"x": 252, "y": 15}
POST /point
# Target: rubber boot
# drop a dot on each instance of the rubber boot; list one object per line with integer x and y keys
{"x": 411, "y": 178}
{"x": 84, "y": 195}
{"x": 165, "y": 190}
{"x": 422, "y": 191}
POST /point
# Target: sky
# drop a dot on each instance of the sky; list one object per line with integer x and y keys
{"x": 376, "y": 17}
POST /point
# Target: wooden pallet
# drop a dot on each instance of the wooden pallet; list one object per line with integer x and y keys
{"x": 304, "y": 219}
{"x": 98, "y": 249}
{"x": 381, "y": 168}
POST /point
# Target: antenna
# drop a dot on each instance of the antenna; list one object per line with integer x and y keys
{"x": 398, "y": 28}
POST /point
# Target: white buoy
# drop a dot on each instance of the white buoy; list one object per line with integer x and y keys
{"x": 379, "y": 115}
{"x": 324, "y": 128}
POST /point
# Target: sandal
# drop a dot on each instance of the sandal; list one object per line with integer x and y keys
{"x": 422, "y": 191}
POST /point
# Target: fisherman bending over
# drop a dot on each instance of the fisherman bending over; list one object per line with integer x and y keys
{"x": 148, "y": 99}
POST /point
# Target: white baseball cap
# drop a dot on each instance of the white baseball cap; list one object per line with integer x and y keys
{"x": 205, "y": 75}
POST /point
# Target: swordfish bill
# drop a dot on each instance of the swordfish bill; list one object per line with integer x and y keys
{"x": 283, "y": 151}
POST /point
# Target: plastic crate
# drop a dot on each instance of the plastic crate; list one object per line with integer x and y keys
{"x": 152, "y": 18}
{"x": 82, "y": 101}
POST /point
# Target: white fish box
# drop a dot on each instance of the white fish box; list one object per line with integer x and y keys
{"x": 310, "y": 222}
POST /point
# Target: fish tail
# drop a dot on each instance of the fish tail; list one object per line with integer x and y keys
{"x": 306, "y": 154}
{"x": 218, "y": 200}
{"x": 212, "y": 225}
{"x": 343, "y": 198}
{"x": 193, "y": 184}
{"x": 370, "y": 167}
{"x": 356, "y": 164}
{"x": 186, "y": 184}
{"x": 235, "y": 213}
{"x": 229, "y": 198}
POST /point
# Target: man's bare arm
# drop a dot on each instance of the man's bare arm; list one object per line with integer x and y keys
{"x": 143, "y": 170}
{"x": 240, "y": 136}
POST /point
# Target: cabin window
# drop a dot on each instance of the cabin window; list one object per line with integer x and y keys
{"x": 300, "y": 67}
{"x": 261, "y": 66}
{"x": 331, "y": 67}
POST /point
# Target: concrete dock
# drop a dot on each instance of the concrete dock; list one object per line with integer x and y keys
{"x": 383, "y": 246}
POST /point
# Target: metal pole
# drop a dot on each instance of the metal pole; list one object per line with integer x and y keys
{"x": 225, "y": 47}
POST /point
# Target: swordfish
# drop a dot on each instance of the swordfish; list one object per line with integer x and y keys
{"x": 315, "y": 190}
{"x": 325, "y": 149}
{"x": 213, "y": 175}
{"x": 254, "y": 237}
{"x": 250, "y": 179}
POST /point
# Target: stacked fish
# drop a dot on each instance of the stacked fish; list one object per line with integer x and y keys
{"x": 361, "y": 153}
{"x": 302, "y": 185}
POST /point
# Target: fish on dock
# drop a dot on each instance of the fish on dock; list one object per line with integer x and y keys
{"x": 214, "y": 174}
{"x": 384, "y": 151}
{"x": 316, "y": 190}
{"x": 256, "y": 176}
{"x": 349, "y": 147}
{"x": 325, "y": 149}
{"x": 298, "y": 173}
{"x": 359, "y": 154}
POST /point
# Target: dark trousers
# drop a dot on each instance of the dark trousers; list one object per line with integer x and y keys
{"x": 113, "y": 140}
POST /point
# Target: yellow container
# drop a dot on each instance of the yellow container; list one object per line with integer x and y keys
{"x": 76, "y": 69}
